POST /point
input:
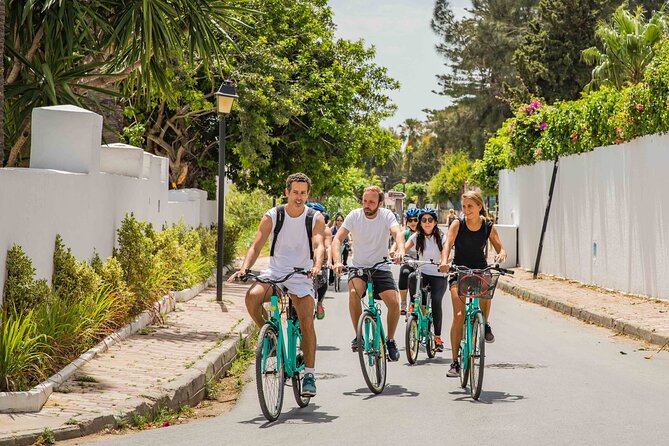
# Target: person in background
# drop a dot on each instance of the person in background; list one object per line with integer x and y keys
{"x": 411, "y": 218}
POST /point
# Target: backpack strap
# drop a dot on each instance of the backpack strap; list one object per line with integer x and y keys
{"x": 309, "y": 222}
{"x": 280, "y": 217}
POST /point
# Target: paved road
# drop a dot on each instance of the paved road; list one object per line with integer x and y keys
{"x": 549, "y": 380}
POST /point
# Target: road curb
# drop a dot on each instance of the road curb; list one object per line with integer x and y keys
{"x": 587, "y": 315}
{"x": 187, "y": 389}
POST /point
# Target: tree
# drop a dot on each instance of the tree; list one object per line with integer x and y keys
{"x": 62, "y": 52}
{"x": 628, "y": 43}
{"x": 548, "y": 58}
{"x": 449, "y": 182}
{"x": 478, "y": 49}
{"x": 307, "y": 100}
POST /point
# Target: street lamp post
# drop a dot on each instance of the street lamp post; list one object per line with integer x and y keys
{"x": 404, "y": 190}
{"x": 384, "y": 178}
{"x": 225, "y": 97}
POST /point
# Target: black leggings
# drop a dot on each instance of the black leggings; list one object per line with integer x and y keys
{"x": 439, "y": 286}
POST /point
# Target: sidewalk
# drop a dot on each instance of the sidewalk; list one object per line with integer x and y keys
{"x": 640, "y": 317}
{"x": 166, "y": 365}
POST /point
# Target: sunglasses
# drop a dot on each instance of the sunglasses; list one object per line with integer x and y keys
{"x": 410, "y": 220}
{"x": 339, "y": 220}
{"x": 427, "y": 219}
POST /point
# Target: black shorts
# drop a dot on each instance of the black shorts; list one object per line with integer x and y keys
{"x": 381, "y": 280}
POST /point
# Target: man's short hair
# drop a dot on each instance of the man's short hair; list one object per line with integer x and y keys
{"x": 376, "y": 189}
{"x": 298, "y": 178}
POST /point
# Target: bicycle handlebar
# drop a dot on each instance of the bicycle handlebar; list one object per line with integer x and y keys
{"x": 495, "y": 267}
{"x": 385, "y": 261}
{"x": 256, "y": 275}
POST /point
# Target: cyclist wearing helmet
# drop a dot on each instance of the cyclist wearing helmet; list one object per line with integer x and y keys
{"x": 411, "y": 217}
{"x": 321, "y": 281}
{"x": 428, "y": 242}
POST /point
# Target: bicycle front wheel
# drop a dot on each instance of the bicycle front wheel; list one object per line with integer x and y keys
{"x": 372, "y": 353}
{"x": 411, "y": 339}
{"x": 269, "y": 372}
{"x": 477, "y": 359}
{"x": 430, "y": 346}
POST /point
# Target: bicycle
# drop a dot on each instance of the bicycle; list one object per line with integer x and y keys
{"x": 420, "y": 325}
{"x": 371, "y": 335}
{"x": 474, "y": 284}
{"x": 274, "y": 362}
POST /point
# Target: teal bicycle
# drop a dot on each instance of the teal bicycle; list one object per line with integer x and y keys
{"x": 420, "y": 325}
{"x": 371, "y": 335}
{"x": 275, "y": 363}
{"x": 474, "y": 284}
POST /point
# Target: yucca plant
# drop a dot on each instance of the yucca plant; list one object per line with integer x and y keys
{"x": 199, "y": 269}
{"x": 23, "y": 352}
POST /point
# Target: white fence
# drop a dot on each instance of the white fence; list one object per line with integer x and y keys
{"x": 609, "y": 221}
{"x": 81, "y": 190}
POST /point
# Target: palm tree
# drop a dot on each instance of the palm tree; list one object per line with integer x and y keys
{"x": 59, "y": 52}
{"x": 628, "y": 48}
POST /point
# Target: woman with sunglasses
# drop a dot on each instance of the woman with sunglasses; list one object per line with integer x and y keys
{"x": 411, "y": 218}
{"x": 428, "y": 241}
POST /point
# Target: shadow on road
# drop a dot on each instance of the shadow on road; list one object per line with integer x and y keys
{"x": 487, "y": 397}
{"x": 327, "y": 348}
{"x": 307, "y": 415}
{"x": 427, "y": 361}
{"x": 390, "y": 390}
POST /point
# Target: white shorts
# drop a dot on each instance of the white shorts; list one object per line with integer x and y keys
{"x": 299, "y": 285}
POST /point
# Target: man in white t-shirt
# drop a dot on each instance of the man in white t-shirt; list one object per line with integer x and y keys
{"x": 291, "y": 250}
{"x": 369, "y": 227}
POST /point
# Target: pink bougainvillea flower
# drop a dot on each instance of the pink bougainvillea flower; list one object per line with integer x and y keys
{"x": 543, "y": 126}
{"x": 538, "y": 152}
{"x": 639, "y": 107}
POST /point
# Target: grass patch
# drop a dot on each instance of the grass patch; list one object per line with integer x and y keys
{"x": 46, "y": 437}
{"x": 85, "y": 379}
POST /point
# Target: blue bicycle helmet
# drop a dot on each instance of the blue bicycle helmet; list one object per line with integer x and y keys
{"x": 316, "y": 206}
{"x": 429, "y": 211}
{"x": 412, "y": 212}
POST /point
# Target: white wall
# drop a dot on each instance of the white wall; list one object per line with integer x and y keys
{"x": 85, "y": 208}
{"x": 613, "y": 197}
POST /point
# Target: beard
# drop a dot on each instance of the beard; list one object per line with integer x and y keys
{"x": 370, "y": 212}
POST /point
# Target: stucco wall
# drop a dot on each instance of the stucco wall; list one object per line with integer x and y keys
{"x": 609, "y": 217}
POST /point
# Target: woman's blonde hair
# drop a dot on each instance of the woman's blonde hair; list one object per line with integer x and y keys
{"x": 476, "y": 197}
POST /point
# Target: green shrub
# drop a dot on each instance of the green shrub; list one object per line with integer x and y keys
{"x": 72, "y": 279}
{"x": 135, "y": 253}
{"x": 23, "y": 352}
{"x": 208, "y": 237}
{"x": 21, "y": 292}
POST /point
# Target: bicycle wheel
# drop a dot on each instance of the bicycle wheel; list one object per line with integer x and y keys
{"x": 372, "y": 360}
{"x": 464, "y": 372}
{"x": 269, "y": 373}
{"x": 337, "y": 285}
{"x": 477, "y": 359}
{"x": 302, "y": 401}
{"x": 429, "y": 342}
{"x": 411, "y": 342}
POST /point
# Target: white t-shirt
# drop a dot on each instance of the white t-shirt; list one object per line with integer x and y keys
{"x": 370, "y": 236}
{"x": 430, "y": 252}
{"x": 292, "y": 245}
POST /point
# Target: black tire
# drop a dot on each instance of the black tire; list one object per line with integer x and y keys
{"x": 269, "y": 376}
{"x": 411, "y": 342}
{"x": 372, "y": 361}
{"x": 464, "y": 372}
{"x": 430, "y": 346}
{"x": 477, "y": 359}
{"x": 302, "y": 401}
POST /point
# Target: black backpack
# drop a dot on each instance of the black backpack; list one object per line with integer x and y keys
{"x": 281, "y": 216}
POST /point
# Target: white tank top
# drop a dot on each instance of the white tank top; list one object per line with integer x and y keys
{"x": 292, "y": 245}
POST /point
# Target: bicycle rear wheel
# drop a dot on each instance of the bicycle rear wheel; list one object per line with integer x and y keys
{"x": 477, "y": 359}
{"x": 269, "y": 372}
{"x": 372, "y": 359}
{"x": 411, "y": 342}
{"x": 462, "y": 355}
{"x": 430, "y": 346}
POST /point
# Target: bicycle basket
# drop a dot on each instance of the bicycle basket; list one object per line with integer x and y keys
{"x": 477, "y": 285}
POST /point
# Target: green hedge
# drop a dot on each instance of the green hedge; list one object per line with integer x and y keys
{"x": 600, "y": 118}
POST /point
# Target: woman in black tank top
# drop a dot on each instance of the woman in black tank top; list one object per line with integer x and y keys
{"x": 469, "y": 235}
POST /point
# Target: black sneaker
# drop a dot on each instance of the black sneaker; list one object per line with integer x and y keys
{"x": 489, "y": 337}
{"x": 454, "y": 372}
{"x": 393, "y": 352}
{"x": 354, "y": 344}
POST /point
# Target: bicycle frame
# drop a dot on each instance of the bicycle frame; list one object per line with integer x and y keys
{"x": 379, "y": 333}
{"x": 472, "y": 308}
{"x": 288, "y": 358}
{"x": 423, "y": 319}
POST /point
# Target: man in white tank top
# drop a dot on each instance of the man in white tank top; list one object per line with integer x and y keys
{"x": 369, "y": 227}
{"x": 291, "y": 250}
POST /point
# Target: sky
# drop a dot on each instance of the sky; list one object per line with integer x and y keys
{"x": 405, "y": 44}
